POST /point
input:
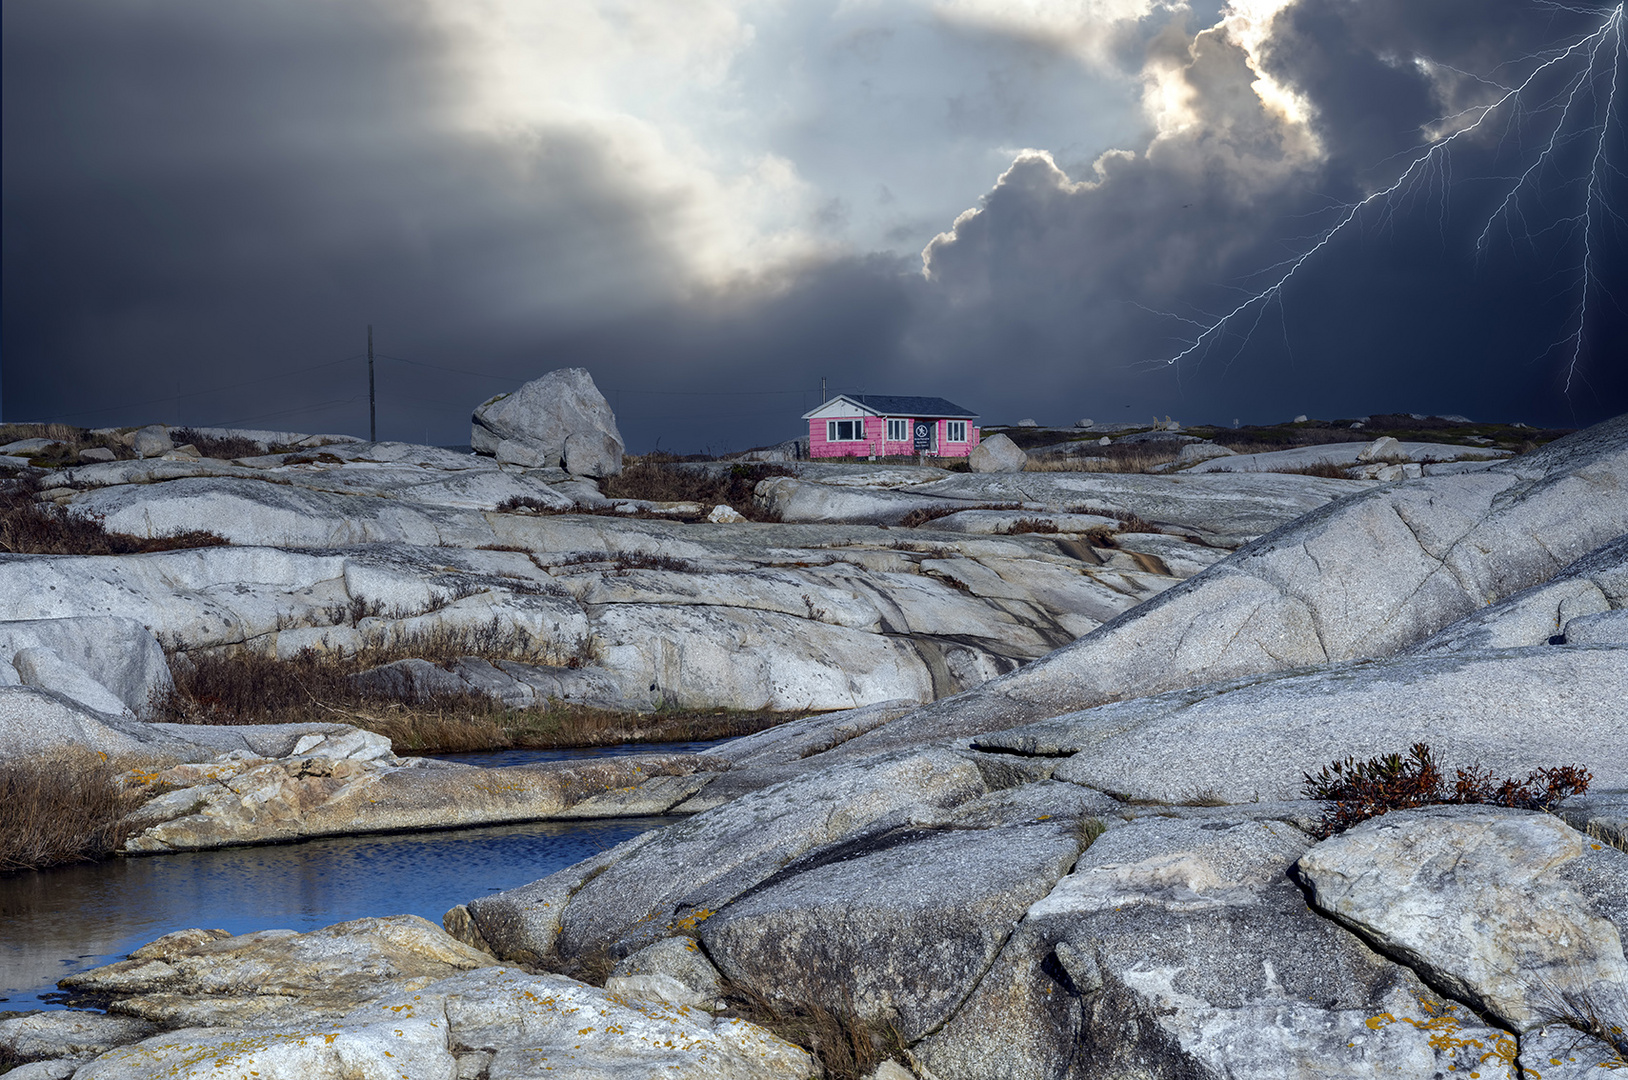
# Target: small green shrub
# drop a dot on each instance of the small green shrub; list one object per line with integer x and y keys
{"x": 1360, "y": 790}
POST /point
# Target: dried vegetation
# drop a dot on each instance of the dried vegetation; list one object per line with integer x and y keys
{"x": 1359, "y": 790}
{"x": 254, "y": 688}
{"x": 29, "y": 526}
{"x": 64, "y": 806}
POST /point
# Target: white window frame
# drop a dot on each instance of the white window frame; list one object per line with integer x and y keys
{"x": 858, "y": 428}
{"x": 955, "y": 431}
{"x": 898, "y": 430}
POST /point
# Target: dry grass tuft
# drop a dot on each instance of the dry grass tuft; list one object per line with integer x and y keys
{"x": 1115, "y": 458}
{"x": 253, "y": 688}
{"x": 31, "y": 527}
{"x": 60, "y": 807}
{"x": 846, "y": 1046}
{"x": 1031, "y": 525}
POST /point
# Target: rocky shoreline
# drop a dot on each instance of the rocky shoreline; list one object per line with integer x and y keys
{"x": 1062, "y": 834}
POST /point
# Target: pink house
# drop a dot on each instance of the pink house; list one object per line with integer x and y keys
{"x": 877, "y": 425}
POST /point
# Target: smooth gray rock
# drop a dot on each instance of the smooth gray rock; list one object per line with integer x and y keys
{"x": 1193, "y": 453}
{"x": 997, "y": 454}
{"x": 54, "y": 1069}
{"x": 1363, "y": 577}
{"x": 67, "y": 1034}
{"x": 35, "y": 721}
{"x": 210, "y": 977}
{"x": 1435, "y": 887}
{"x": 558, "y": 419}
{"x": 46, "y": 670}
{"x": 1602, "y": 814}
{"x": 495, "y": 1023}
{"x": 1512, "y": 710}
{"x": 1601, "y": 628}
{"x": 673, "y": 969}
{"x": 897, "y": 928}
{"x": 1180, "y": 949}
{"x": 1595, "y": 584}
{"x": 118, "y": 654}
{"x": 1225, "y": 510}
{"x": 97, "y": 453}
{"x": 152, "y": 440}
{"x": 662, "y": 882}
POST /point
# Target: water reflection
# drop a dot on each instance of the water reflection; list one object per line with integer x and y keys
{"x": 67, "y": 919}
{"x": 493, "y": 759}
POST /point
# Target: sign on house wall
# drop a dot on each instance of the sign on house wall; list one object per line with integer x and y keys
{"x": 923, "y": 432}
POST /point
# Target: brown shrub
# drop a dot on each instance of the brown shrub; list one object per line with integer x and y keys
{"x": 223, "y": 447}
{"x": 63, "y": 806}
{"x": 924, "y": 514}
{"x": 1360, "y": 790}
{"x": 31, "y": 527}
{"x": 1031, "y": 525}
{"x": 656, "y": 480}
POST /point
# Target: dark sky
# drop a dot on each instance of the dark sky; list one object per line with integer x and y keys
{"x": 1027, "y": 206}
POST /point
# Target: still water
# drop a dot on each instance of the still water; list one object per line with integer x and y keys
{"x": 70, "y": 918}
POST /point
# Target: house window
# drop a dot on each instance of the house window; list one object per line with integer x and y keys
{"x": 955, "y": 431}
{"x": 898, "y": 430}
{"x": 844, "y": 430}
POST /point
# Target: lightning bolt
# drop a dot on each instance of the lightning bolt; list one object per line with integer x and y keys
{"x": 1586, "y": 60}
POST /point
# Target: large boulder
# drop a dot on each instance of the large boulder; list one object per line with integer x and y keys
{"x": 115, "y": 661}
{"x": 559, "y": 419}
{"x": 997, "y": 454}
{"x": 898, "y": 929}
{"x": 1364, "y": 577}
{"x": 1512, "y": 710}
{"x": 665, "y": 882}
{"x": 1595, "y": 585}
{"x": 1515, "y": 912}
{"x": 1181, "y": 949}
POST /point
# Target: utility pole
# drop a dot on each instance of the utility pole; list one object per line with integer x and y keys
{"x": 372, "y": 422}
{"x": 823, "y": 398}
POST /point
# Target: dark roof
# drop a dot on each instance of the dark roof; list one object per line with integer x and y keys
{"x": 893, "y": 405}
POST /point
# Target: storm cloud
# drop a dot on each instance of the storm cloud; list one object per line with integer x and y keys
{"x": 1024, "y": 207}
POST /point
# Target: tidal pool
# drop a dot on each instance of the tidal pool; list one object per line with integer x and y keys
{"x": 70, "y": 918}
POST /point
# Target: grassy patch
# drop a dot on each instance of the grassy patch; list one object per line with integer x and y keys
{"x": 31, "y": 527}
{"x": 253, "y": 688}
{"x": 60, "y": 807}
